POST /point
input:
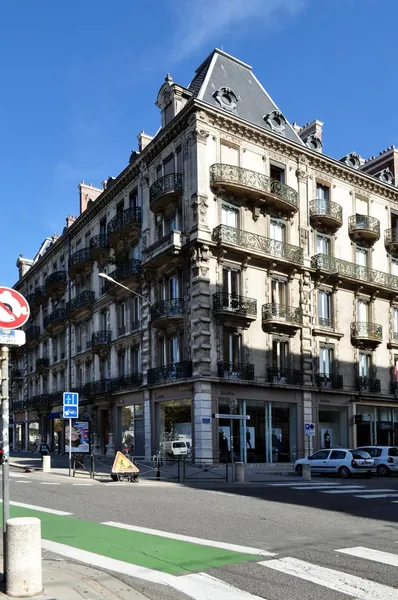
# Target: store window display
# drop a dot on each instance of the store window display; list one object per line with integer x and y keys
{"x": 174, "y": 422}
{"x": 131, "y": 429}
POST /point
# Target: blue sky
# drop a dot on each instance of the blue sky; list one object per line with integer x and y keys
{"x": 79, "y": 81}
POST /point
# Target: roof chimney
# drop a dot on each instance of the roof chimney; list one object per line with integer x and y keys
{"x": 87, "y": 192}
{"x": 143, "y": 140}
{"x": 69, "y": 220}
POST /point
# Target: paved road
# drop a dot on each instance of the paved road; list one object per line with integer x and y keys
{"x": 284, "y": 540}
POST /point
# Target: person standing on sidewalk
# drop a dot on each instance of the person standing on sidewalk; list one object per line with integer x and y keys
{"x": 44, "y": 449}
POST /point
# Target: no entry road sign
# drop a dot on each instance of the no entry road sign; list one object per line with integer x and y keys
{"x": 14, "y": 309}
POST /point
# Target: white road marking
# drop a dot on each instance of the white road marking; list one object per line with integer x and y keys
{"x": 198, "y": 586}
{"x": 300, "y": 484}
{"x": 370, "y": 496}
{"x": 192, "y": 540}
{"x": 22, "y": 481}
{"x": 52, "y": 511}
{"x": 321, "y": 487}
{"x": 364, "y": 491}
{"x": 84, "y": 484}
{"x": 360, "y": 589}
{"x": 18, "y": 475}
{"x": 377, "y": 555}
{"x": 49, "y": 483}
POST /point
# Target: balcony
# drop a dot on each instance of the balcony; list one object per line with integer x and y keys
{"x": 38, "y": 402}
{"x": 364, "y": 230}
{"x": 235, "y": 370}
{"x": 56, "y": 283}
{"x": 130, "y": 271}
{"x": 17, "y": 405}
{"x": 55, "y": 399}
{"x": 366, "y": 335}
{"x": 80, "y": 261}
{"x": 232, "y": 310}
{"x": 326, "y": 216}
{"x": 279, "y": 376}
{"x": 246, "y": 242}
{"x": 165, "y": 190}
{"x": 329, "y": 381}
{"x": 99, "y": 387}
{"x": 278, "y": 318}
{"x": 353, "y": 272}
{"x": 167, "y": 373}
{"x": 55, "y": 321}
{"x": 167, "y": 312}
{"x": 32, "y": 334}
{"x": 16, "y": 375}
{"x": 159, "y": 252}
{"x": 125, "y": 225}
{"x": 254, "y": 186}
{"x": 127, "y": 382}
{"x": 100, "y": 341}
{"x": 37, "y": 298}
{"x": 391, "y": 241}
{"x": 368, "y": 385}
{"x": 99, "y": 247}
{"x": 82, "y": 303}
{"x": 42, "y": 365}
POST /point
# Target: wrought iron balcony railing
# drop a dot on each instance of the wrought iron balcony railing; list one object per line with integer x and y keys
{"x": 180, "y": 370}
{"x": 354, "y": 271}
{"x": 173, "y": 308}
{"x": 55, "y": 398}
{"x": 101, "y": 338}
{"x": 58, "y": 315}
{"x": 235, "y": 304}
{"x": 224, "y": 234}
{"x": 135, "y": 325}
{"x": 80, "y": 256}
{"x": 371, "y": 331}
{"x": 98, "y": 387}
{"x": 32, "y": 333}
{"x": 325, "y": 208}
{"x": 368, "y": 384}
{"x": 245, "y": 178}
{"x": 281, "y": 312}
{"x": 282, "y": 376}
{"x": 58, "y": 277}
{"x": 364, "y": 223}
{"x": 16, "y": 374}
{"x": 391, "y": 236}
{"x": 172, "y": 240}
{"x": 164, "y": 185}
{"x": 329, "y": 380}
{"x": 130, "y": 216}
{"x": 86, "y": 298}
{"x": 325, "y": 322}
{"x": 132, "y": 267}
{"x": 235, "y": 370}
{"x": 133, "y": 380}
{"x": 99, "y": 242}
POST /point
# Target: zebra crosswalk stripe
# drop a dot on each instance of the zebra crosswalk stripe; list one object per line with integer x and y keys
{"x": 351, "y": 585}
{"x": 369, "y": 554}
{"x": 354, "y": 491}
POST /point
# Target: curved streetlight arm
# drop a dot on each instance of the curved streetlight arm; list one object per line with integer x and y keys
{"x": 108, "y": 278}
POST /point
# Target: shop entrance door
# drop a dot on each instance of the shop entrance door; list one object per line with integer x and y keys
{"x": 104, "y": 419}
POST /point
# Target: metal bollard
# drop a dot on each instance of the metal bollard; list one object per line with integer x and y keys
{"x": 306, "y": 472}
{"x": 181, "y": 470}
{"x": 239, "y": 472}
{"x": 23, "y": 557}
{"x": 46, "y": 463}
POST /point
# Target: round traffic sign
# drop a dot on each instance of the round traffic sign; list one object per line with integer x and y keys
{"x": 14, "y": 309}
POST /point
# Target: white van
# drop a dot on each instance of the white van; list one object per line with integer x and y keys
{"x": 174, "y": 448}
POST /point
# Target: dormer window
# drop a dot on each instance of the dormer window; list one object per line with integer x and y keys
{"x": 226, "y": 98}
{"x": 276, "y": 121}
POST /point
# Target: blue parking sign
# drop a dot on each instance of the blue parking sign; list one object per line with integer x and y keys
{"x": 71, "y": 412}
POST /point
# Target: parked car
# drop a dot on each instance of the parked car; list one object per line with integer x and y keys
{"x": 338, "y": 461}
{"x": 385, "y": 458}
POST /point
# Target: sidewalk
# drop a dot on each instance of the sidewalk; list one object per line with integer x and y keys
{"x": 71, "y": 581}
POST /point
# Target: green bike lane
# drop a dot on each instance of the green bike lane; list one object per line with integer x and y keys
{"x": 154, "y": 552}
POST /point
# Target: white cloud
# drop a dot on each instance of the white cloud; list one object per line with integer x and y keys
{"x": 203, "y": 22}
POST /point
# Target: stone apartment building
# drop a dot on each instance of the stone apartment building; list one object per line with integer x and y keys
{"x": 266, "y": 280}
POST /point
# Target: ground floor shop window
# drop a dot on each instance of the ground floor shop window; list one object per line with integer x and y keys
{"x": 56, "y": 435}
{"x": 33, "y": 435}
{"x": 131, "y": 429}
{"x": 377, "y": 426}
{"x": 269, "y": 436}
{"x": 19, "y": 441}
{"x": 174, "y": 427}
{"x": 333, "y": 428}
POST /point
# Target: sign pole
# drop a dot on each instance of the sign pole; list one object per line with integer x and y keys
{"x": 70, "y": 446}
{"x": 6, "y": 448}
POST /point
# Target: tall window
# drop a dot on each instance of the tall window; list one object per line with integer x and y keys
{"x": 362, "y": 311}
{"x": 322, "y": 192}
{"x": 277, "y": 173}
{"x": 279, "y": 292}
{"x": 133, "y": 198}
{"x": 323, "y": 244}
{"x": 326, "y": 357}
{"x": 229, "y": 215}
{"x": 121, "y": 360}
{"x": 135, "y": 313}
{"x": 277, "y": 230}
{"x": 364, "y": 364}
{"x": 172, "y": 290}
{"x": 122, "y": 318}
{"x": 135, "y": 359}
{"x": 361, "y": 257}
{"x": 280, "y": 355}
{"x": 395, "y": 322}
{"x": 232, "y": 343}
{"x": 230, "y": 282}
{"x": 394, "y": 266}
{"x": 325, "y": 309}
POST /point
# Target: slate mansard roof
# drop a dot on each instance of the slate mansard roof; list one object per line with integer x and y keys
{"x": 226, "y": 82}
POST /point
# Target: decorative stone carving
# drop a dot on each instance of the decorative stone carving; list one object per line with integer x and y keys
{"x": 301, "y": 175}
{"x": 200, "y": 135}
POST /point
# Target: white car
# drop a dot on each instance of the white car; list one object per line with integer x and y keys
{"x": 385, "y": 458}
{"x": 338, "y": 461}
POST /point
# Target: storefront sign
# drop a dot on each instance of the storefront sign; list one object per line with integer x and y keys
{"x": 80, "y": 437}
{"x": 227, "y": 394}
